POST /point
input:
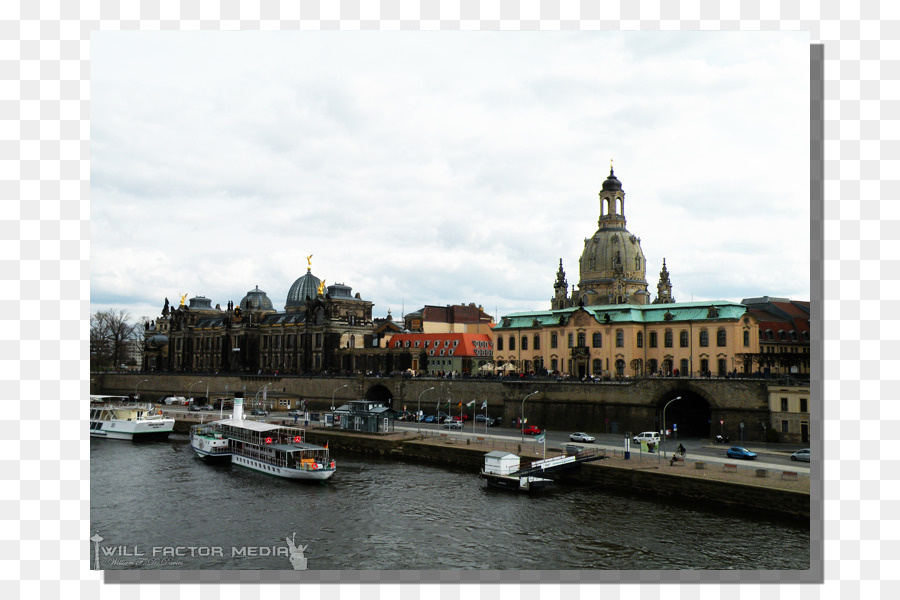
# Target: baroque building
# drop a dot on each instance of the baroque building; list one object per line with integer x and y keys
{"x": 609, "y": 328}
{"x": 253, "y": 337}
{"x": 612, "y": 268}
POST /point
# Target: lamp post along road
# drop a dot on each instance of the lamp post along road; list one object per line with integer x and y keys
{"x": 664, "y": 423}
{"x": 136, "y": 387}
{"x": 419, "y": 411}
{"x": 190, "y": 387}
{"x": 335, "y": 391}
{"x": 522, "y": 415}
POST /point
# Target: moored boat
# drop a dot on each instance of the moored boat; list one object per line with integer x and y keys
{"x": 273, "y": 449}
{"x": 117, "y": 418}
{"x": 209, "y": 444}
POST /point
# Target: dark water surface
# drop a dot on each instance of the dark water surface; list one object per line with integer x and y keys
{"x": 152, "y": 503}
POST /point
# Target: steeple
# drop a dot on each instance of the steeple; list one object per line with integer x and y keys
{"x": 664, "y": 287}
{"x": 561, "y": 289}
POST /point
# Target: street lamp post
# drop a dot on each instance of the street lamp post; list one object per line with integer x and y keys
{"x": 522, "y": 414}
{"x": 256, "y": 398}
{"x": 190, "y": 387}
{"x": 664, "y": 423}
{"x": 136, "y": 387}
{"x": 419, "y": 411}
{"x": 334, "y": 392}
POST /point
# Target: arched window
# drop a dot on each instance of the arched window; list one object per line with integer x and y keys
{"x": 554, "y": 341}
{"x": 668, "y": 338}
{"x": 597, "y": 341}
{"x": 620, "y": 368}
{"x": 620, "y": 338}
{"x": 746, "y": 339}
{"x": 500, "y": 343}
{"x": 653, "y": 339}
{"x": 537, "y": 342}
{"x": 640, "y": 339}
{"x": 571, "y": 341}
{"x": 581, "y": 336}
{"x": 720, "y": 337}
{"x": 597, "y": 367}
{"x": 637, "y": 263}
{"x": 652, "y": 365}
{"x": 524, "y": 342}
{"x": 683, "y": 339}
{"x": 512, "y": 343}
{"x": 704, "y": 338}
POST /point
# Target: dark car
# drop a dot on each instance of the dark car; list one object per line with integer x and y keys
{"x": 740, "y": 452}
{"x": 430, "y": 419}
{"x": 532, "y": 430}
{"x": 259, "y": 411}
{"x": 207, "y": 407}
{"x": 193, "y": 408}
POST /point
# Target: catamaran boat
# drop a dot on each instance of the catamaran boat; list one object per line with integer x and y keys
{"x": 118, "y": 418}
{"x": 264, "y": 447}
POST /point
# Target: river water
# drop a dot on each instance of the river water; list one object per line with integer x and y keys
{"x": 156, "y": 506}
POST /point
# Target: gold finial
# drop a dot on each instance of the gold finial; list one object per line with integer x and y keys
{"x": 321, "y": 287}
{"x": 183, "y": 296}
{"x": 309, "y": 262}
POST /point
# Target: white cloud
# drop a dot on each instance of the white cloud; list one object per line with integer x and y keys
{"x": 437, "y": 167}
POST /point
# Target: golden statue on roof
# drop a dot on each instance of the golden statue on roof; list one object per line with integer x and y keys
{"x": 321, "y": 287}
{"x": 183, "y": 296}
{"x": 309, "y": 262}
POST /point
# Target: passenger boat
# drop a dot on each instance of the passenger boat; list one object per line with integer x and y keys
{"x": 268, "y": 448}
{"x": 209, "y": 444}
{"x": 118, "y": 418}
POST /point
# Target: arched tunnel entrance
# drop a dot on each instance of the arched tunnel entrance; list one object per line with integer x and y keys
{"x": 689, "y": 415}
{"x": 379, "y": 393}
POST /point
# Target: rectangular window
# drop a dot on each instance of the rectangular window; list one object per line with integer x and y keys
{"x": 784, "y": 427}
{"x": 653, "y": 339}
{"x": 597, "y": 340}
{"x": 571, "y": 341}
{"x": 803, "y": 405}
{"x": 553, "y": 343}
{"x": 784, "y": 405}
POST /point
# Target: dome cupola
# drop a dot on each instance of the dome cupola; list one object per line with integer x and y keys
{"x": 256, "y": 299}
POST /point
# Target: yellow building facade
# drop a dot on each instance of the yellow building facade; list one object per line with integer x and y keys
{"x": 690, "y": 339}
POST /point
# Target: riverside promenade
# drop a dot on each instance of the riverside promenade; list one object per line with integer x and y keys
{"x": 759, "y": 487}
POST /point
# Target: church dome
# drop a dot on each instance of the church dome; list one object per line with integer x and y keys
{"x": 306, "y": 286}
{"x": 612, "y": 183}
{"x": 256, "y": 299}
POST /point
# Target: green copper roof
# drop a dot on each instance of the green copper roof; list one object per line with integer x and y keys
{"x": 629, "y": 313}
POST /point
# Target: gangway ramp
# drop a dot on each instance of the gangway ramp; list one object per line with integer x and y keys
{"x": 560, "y": 463}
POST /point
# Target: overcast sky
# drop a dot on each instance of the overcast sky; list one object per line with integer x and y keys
{"x": 443, "y": 167}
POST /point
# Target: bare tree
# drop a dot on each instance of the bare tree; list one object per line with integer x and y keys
{"x": 111, "y": 333}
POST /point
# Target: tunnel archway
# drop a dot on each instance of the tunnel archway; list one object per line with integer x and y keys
{"x": 379, "y": 393}
{"x": 691, "y": 413}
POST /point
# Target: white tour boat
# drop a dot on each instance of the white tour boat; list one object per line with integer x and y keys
{"x": 209, "y": 443}
{"x": 117, "y": 418}
{"x": 264, "y": 447}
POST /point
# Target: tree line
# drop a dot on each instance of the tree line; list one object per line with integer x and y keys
{"x": 113, "y": 335}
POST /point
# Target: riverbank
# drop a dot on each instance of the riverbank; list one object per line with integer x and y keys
{"x": 771, "y": 492}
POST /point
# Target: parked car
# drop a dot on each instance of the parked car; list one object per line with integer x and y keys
{"x": 801, "y": 455}
{"x": 740, "y": 452}
{"x": 490, "y": 422}
{"x": 295, "y": 413}
{"x": 581, "y": 437}
{"x": 180, "y": 400}
{"x": 193, "y": 408}
{"x": 651, "y": 437}
{"x": 206, "y": 407}
{"x": 259, "y": 412}
{"x": 453, "y": 425}
{"x": 532, "y": 430}
{"x": 429, "y": 419}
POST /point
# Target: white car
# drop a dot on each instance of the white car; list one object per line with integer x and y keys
{"x": 651, "y": 437}
{"x": 453, "y": 425}
{"x": 581, "y": 437}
